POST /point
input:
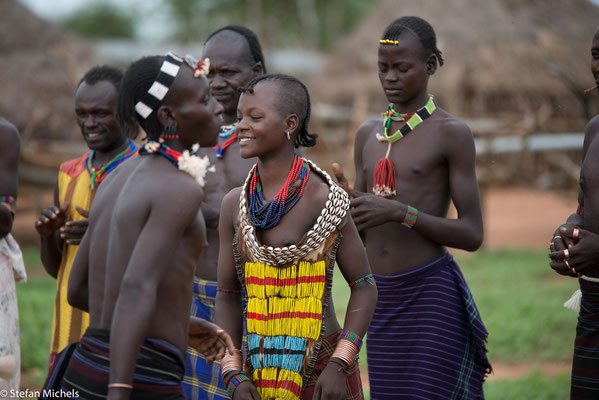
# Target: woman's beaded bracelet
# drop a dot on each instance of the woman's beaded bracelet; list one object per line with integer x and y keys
{"x": 346, "y": 351}
{"x": 342, "y": 367}
{"x": 368, "y": 278}
{"x": 230, "y": 291}
{"x": 352, "y": 337}
{"x": 234, "y": 381}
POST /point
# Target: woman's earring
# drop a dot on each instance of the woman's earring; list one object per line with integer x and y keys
{"x": 288, "y": 135}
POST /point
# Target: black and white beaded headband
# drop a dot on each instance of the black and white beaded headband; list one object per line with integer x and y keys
{"x": 166, "y": 76}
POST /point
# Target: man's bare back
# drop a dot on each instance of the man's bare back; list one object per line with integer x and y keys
{"x": 133, "y": 211}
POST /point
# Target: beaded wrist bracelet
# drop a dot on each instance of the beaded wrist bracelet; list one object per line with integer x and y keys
{"x": 352, "y": 337}
{"x": 346, "y": 351}
{"x": 410, "y": 218}
{"x": 230, "y": 374}
{"x": 342, "y": 367}
{"x": 230, "y": 291}
{"x": 235, "y": 381}
{"x": 580, "y": 210}
{"x": 368, "y": 278}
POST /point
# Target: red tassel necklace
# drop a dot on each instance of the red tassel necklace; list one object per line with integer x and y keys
{"x": 385, "y": 182}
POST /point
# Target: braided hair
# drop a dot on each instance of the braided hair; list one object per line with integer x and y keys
{"x": 250, "y": 37}
{"x": 422, "y": 29}
{"x": 293, "y": 99}
{"x": 135, "y": 84}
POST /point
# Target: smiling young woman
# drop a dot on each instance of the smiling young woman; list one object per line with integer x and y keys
{"x": 289, "y": 225}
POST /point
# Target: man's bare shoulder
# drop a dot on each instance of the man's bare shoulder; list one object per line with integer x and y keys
{"x": 9, "y": 137}
{"x": 592, "y": 128}
{"x": 451, "y": 127}
{"x": 368, "y": 129}
{"x": 232, "y": 198}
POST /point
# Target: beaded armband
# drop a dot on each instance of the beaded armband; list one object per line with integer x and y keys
{"x": 9, "y": 202}
{"x": 352, "y": 337}
{"x": 410, "y": 218}
{"x": 368, "y": 278}
{"x": 230, "y": 291}
{"x": 235, "y": 381}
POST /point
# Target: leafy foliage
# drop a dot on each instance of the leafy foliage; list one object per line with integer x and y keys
{"x": 101, "y": 20}
{"x": 280, "y": 23}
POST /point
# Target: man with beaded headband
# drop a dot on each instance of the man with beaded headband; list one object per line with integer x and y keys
{"x": 282, "y": 260}
{"x": 134, "y": 269}
{"x": 235, "y": 58}
{"x": 426, "y": 338}
{"x": 62, "y": 225}
{"x": 574, "y": 252}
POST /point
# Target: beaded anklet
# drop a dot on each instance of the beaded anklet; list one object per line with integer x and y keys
{"x": 352, "y": 337}
{"x": 410, "y": 218}
{"x": 368, "y": 278}
{"x": 230, "y": 291}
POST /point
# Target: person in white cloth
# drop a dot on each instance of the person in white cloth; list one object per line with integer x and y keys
{"x": 11, "y": 262}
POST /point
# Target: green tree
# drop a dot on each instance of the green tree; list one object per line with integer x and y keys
{"x": 100, "y": 20}
{"x": 281, "y": 23}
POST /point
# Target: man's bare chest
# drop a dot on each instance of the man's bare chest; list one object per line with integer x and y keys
{"x": 414, "y": 156}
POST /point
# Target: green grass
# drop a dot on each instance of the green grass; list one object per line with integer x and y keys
{"x": 521, "y": 301}
{"x": 519, "y": 297}
{"x": 36, "y": 305}
{"x": 533, "y": 386}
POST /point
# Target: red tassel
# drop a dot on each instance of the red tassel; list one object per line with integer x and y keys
{"x": 384, "y": 178}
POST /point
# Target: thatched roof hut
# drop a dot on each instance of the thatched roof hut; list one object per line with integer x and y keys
{"x": 503, "y": 58}
{"x": 40, "y": 66}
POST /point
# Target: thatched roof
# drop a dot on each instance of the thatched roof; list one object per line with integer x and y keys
{"x": 502, "y": 56}
{"x": 40, "y": 66}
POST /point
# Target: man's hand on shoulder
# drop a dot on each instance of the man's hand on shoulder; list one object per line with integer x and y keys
{"x": 342, "y": 180}
{"x": 209, "y": 339}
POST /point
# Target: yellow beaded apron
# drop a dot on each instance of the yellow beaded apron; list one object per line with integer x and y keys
{"x": 287, "y": 291}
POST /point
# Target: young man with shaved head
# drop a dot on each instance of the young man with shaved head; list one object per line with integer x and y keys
{"x": 426, "y": 339}
{"x": 235, "y": 58}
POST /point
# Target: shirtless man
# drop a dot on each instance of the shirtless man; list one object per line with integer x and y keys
{"x": 408, "y": 170}
{"x": 134, "y": 268}
{"x": 575, "y": 253}
{"x": 235, "y": 58}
